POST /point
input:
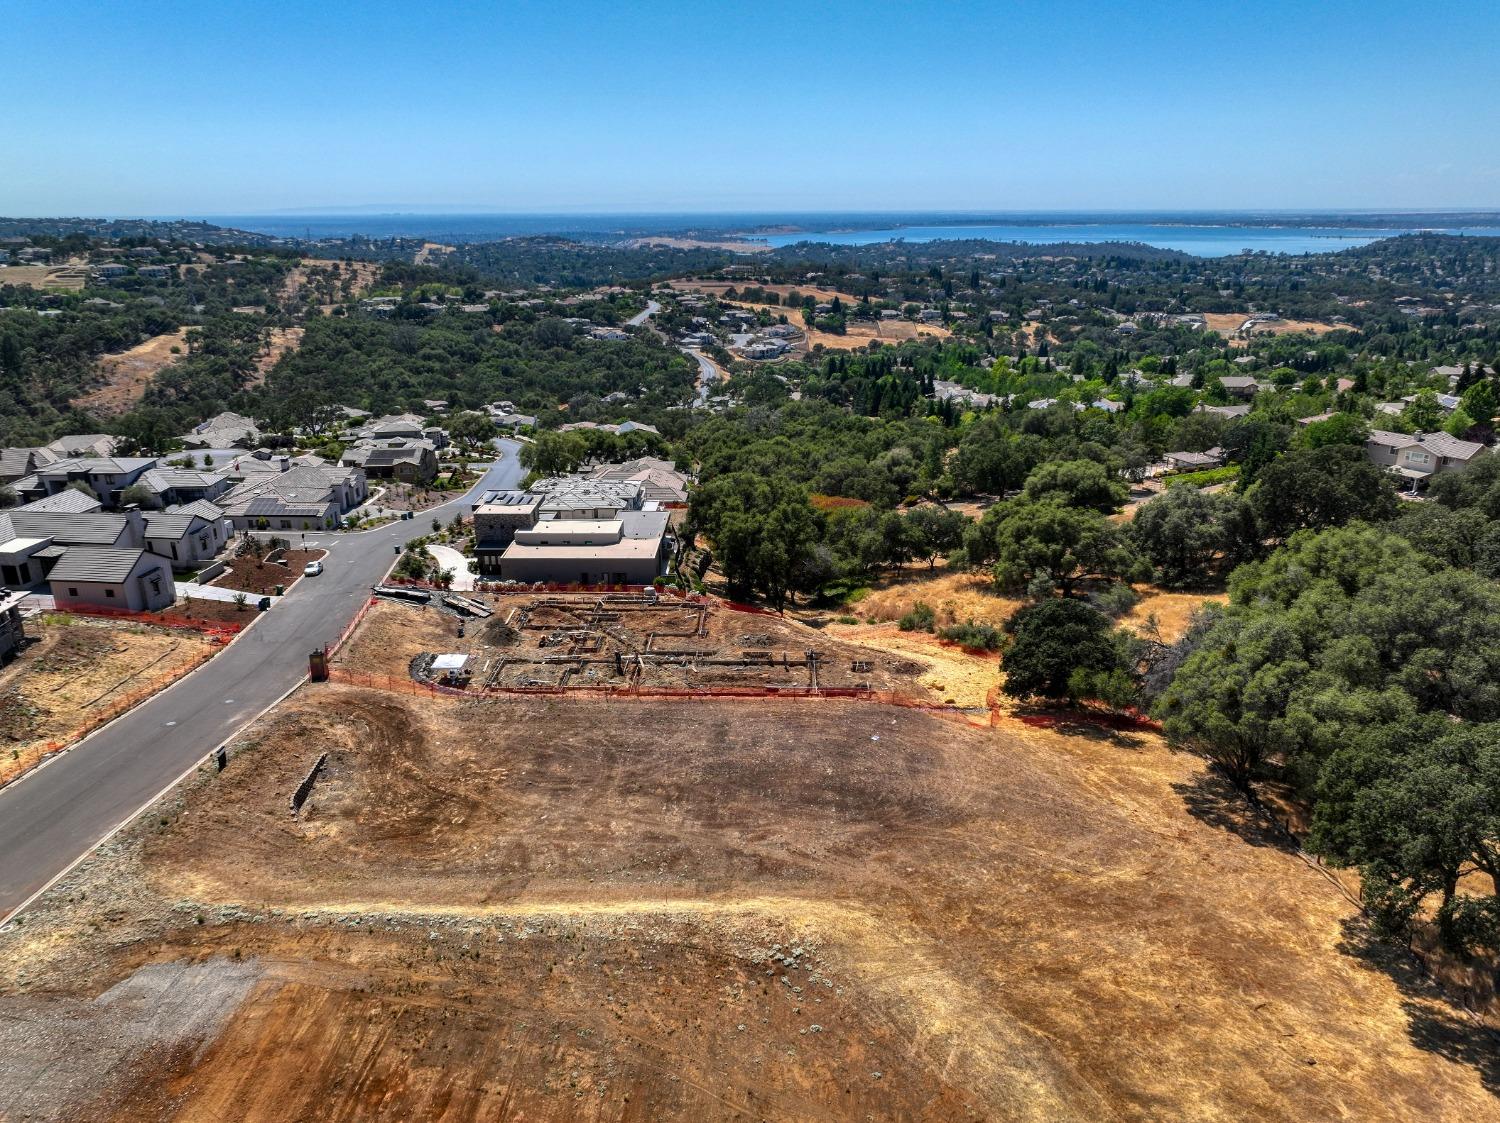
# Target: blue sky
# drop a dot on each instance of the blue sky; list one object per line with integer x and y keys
{"x": 163, "y": 108}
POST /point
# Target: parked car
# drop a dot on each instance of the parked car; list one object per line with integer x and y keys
{"x": 312, "y": 569}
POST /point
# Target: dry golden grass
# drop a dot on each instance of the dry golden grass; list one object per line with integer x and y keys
{"x": 955, "y": 597}
{"x": 74, "y": 674}
{"x": 128, "y": 374}
{"x": 1173, "y": 611}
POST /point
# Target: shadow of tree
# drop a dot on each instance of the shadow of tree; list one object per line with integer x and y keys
{"x": 1434, "y": 1023}
{"x": 1213, "y": 800}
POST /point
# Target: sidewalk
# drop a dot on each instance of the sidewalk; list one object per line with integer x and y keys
{"x": 186, "y": 589}
{"x": 449, "y": 558}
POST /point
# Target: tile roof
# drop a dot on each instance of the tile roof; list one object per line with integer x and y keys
{"x": 172, "y": 525}
{"x": 96, "y": 563}
{"x": 70, "y": 500}
{"x": 70, "y": 529}
{"x": 1440, "y": 443}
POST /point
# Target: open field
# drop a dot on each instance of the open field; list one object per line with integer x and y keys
{"x": 717, "y": 910}
{"x": 582, "y": 640}
{"x": 728, "y": 244}
{"x": 127, "y": 375}
{"x": 1227, "y": 323}
{"x": 64, "y": 278}
{"x": 860, "y": 333}
{"x": 74, "y": 675}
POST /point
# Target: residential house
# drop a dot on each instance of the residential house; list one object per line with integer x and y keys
{"x": 170, "y": 487}
{"x": 1194, "y": 461}
{"x": 302, "y": 498}
{"x": 399, "y": 458}
{"x": 131, "y": 580}
{"x": 1224, "y": 411}
{"x": 84, "y": 444}
{"x": 660, "y": 480}
{"x": 32, "y": 542}
{"x": 12, "y": 626}
{"x": 18, "y": 463}
{"x": 184, "y": 537}
{"x": 105, "y": 476}
{"x": 1417, "y": 457}
{"x": 224, "y": 430}
{"x": 631, "y": 549}
{"x": 1240, "y": 385}
{"x": 70, "y": 501}
{"x": 500, "y": 516}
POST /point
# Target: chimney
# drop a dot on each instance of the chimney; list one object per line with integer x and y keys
{"x": 137, "y": 524}
{"x": 284, "y": 463}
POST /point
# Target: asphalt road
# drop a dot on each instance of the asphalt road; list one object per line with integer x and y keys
{"x": 57, "y": 814}
{"x": 652, "y": 308}
{"x": 708, "y": 376}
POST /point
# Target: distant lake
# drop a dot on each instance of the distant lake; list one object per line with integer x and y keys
{"x": 1213, "y": 236}
{"x": 1202, "y": 241}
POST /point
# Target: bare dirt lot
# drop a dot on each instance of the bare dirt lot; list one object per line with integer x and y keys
{"x": 127, "y": 374}
{"x": 633, "y": 910}
{"x": 580, "y": 640}
{"x": 65, "y": 278}
{"x": 76, "y": 674}
{"x": 1227, "y": 323}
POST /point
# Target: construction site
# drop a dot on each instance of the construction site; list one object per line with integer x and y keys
{"x": 393, "y": 900}
{"x": 610, "y": 641}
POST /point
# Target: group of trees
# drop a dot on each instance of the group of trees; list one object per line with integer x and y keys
{"x": 1368, "y": 672}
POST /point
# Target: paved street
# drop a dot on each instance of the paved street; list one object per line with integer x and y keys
{"x": 50, "y": 818}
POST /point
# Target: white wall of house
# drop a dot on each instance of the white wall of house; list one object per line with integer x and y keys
{"x": 148, "y": 588}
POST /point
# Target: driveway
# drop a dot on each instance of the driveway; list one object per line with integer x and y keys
{"x": 449, "y": 558}
{"x": 55, "y": 815}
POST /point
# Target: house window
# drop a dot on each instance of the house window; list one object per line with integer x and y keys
{"x": 155, "y": 584}
{"x": 286, "y": 524}
{"x": 109, "y": 592}
{"x": 1417, "y": 458}
{"x": 72, "y": 592}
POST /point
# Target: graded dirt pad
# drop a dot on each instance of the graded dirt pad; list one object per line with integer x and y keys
{"x": 583, "y": 640}
{"x": 127, "y": 375}
{"x": 77, "y": 670}
{"x": 1227, "y": 323}
{"x": 566, "y": 909}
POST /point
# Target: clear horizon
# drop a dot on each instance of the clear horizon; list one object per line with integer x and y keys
{"x": 604, "y": 109}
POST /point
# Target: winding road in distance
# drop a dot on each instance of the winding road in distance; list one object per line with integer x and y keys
{"x": 54, "y": 816}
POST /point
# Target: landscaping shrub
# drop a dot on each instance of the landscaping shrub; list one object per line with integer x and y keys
{"x": 921, "y": 618}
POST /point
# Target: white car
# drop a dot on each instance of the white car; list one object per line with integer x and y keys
{"x": 312, "y": 569}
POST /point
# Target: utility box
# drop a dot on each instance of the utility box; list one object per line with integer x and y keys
{"x": 317, "y": 665}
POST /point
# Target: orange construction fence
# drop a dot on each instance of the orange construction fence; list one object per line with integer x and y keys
{"x": 404, "y": 685}
{"x": 100, "y": 713}
{"x": 221, "y": 629}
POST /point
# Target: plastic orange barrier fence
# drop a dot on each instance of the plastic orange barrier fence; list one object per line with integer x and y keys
{"x": 221, "y": 628}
